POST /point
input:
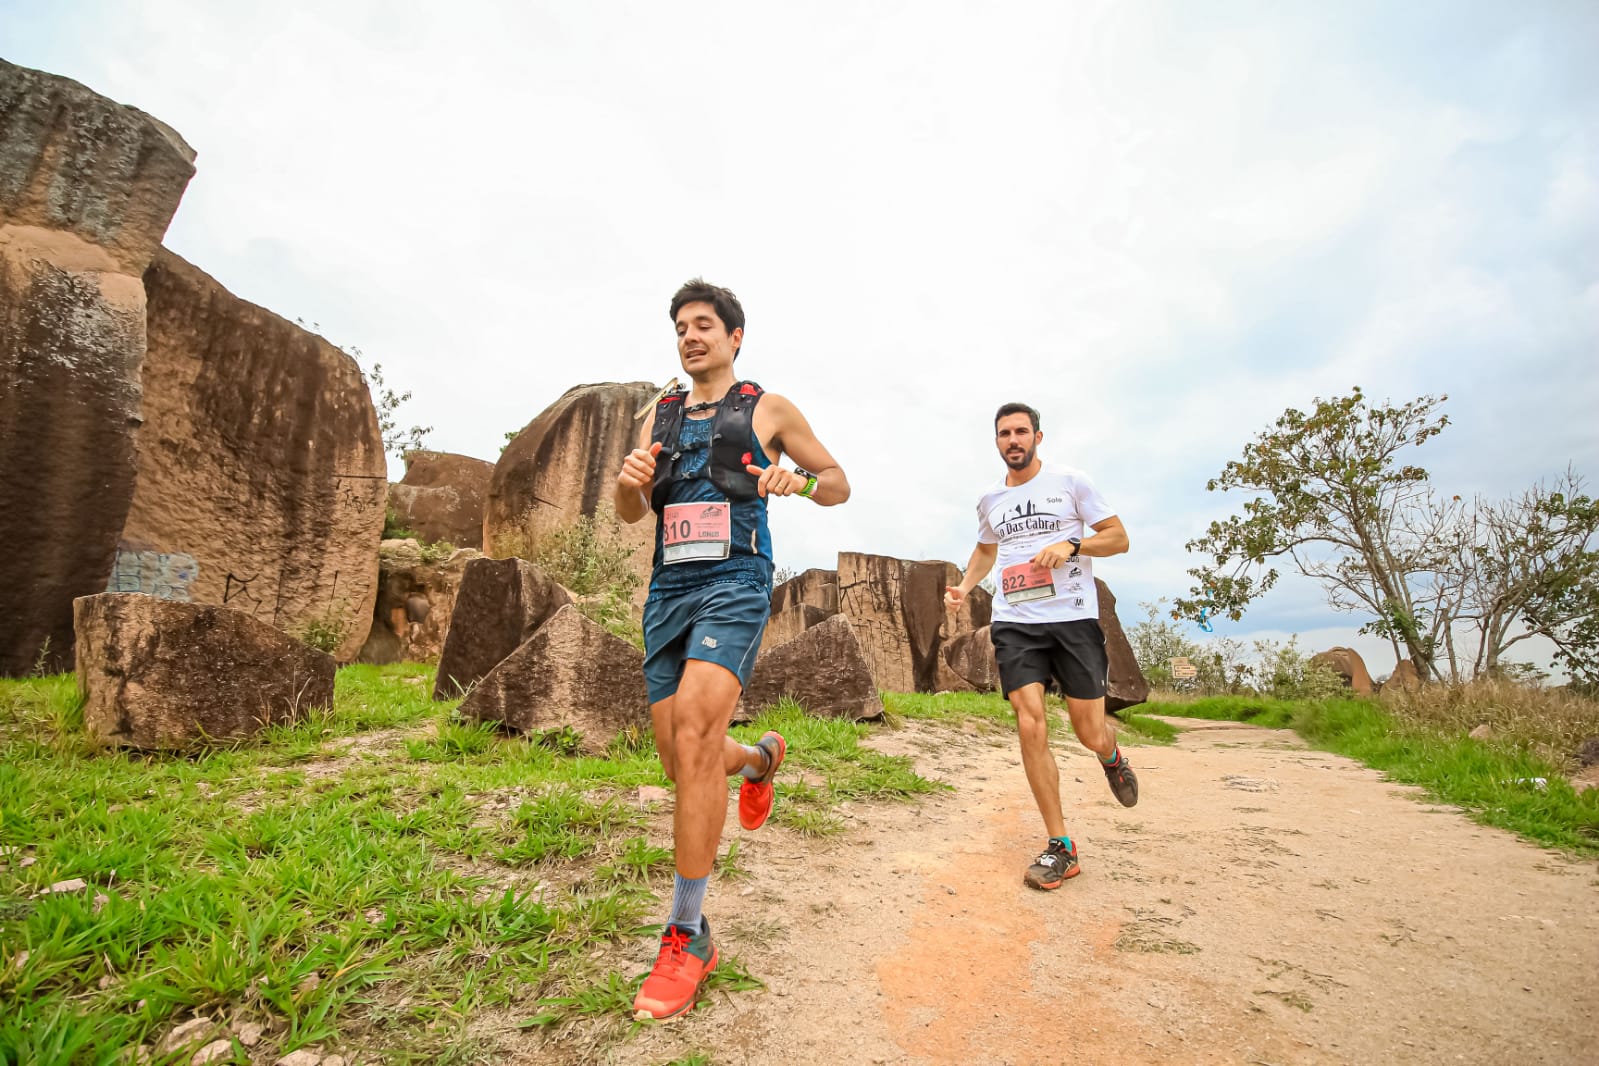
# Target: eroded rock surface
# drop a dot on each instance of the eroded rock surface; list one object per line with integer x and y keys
{"x": 441, "y": 497}
{"x": 897, "y": 608}
{"x": 824, "y": 668}
{"x": 1347, "y": 664}
{"x": 415, "y": 602}
{"x": 162, "y": 675}
{"x": 1126, "y": 685}
{"x": 499, "y": 605}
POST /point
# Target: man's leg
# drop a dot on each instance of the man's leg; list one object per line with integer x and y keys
{"x": 737, "y": 759}
{"x": 1095, "y": 733}
{"x": 1043, "y": 777}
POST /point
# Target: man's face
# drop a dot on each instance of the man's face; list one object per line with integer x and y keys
{"x": 1018, "y": 444}
{"x": 703, "y": 342}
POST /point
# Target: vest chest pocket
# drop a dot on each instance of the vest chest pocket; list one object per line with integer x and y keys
{"x": 696, "y": 531}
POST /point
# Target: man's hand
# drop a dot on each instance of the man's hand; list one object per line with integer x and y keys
{"x": 1055, "y": 555}
{"x": 775, "y": 481}
{"x": 954, "y": 596}
{"x": 638, "y": 469}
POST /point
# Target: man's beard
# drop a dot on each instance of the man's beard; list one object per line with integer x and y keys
{"x": 1024, "y": 461}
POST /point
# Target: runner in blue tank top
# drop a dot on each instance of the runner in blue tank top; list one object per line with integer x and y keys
{"x": 707, "y": 464}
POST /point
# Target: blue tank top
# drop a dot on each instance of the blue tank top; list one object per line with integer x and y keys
{"x": 749, "y": 559}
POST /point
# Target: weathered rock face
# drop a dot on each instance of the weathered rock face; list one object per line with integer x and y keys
{"x": 1405, "y": 675}
{"x": 1347, "y": 663}
{"x": 415, "y": 602}
{"x": 569, "y": 674}
{"x": 498, "y": 606}
{"x": 441, "y": 497}
{"x": 813, "y": 588}
{"x": 897, "y": 608}
{"x": 969, "y": 658}
{"x": 260, "y": 460}
{"x": 789, "y": 623}
{"x": 823, "y": 668}
{"x": 1126, "y": 686}
{"x": 162, "y": 675}
{"x": 87, "y": 188}
{"x": 563, "y": 466}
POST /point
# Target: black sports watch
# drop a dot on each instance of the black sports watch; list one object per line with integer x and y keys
{"x": 1077, "y": 546}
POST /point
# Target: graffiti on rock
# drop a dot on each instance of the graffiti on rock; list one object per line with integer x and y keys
{"x": 166, "y": 575}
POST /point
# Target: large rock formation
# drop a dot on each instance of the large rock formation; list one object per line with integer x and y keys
{"x": 1126, "y": 685}
{"x": 563, "y": 466}
{"x": 969, "y": 662}
{"x": 1405, "y": 675}
{"x": 499, "y": 606}
{"x": 415, "y": 602}
{"x": 823, "y": 668}
{"x": 1347, "y": 664}
{"x": 260, "y": 459}
{"x": 158, "y": 674}
{"x": 441, "y": 497}
{"x": 87, "y": 188}
{"x": 897, "y": 608}
{"x": 783, "y": 626}
{"x": 571, "y": 674}
{"x": 813, "y": 588}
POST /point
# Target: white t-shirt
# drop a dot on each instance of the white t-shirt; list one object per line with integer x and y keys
{"x": 1059, "y": 502}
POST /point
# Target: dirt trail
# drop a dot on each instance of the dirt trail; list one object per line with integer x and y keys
{"x": 1264, "y": 903}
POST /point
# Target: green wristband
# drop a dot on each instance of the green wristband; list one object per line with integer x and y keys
{"x": 810, "y": 486}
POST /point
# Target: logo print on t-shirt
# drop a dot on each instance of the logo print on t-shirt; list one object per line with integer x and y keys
{"x": 1026, "y": 518}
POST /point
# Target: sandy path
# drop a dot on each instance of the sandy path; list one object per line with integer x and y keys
{"x": 1263, "y": 903}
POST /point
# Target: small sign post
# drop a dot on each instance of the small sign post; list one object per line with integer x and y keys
{"x": 1182, "y": 669}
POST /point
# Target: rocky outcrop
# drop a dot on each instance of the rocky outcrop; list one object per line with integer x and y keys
{"x": 813, "y": 588}
{"x": 897, "y": 608}
{"x": 571, "y": 674}
{"x": 260, "y": 459}
{"x": 823, "y": 668}
{"x": 563, "y": 466}
{"x": 415, "y": 602}
{"x": 441, "y": 497}
{"x": 969, "y": 660}
{"x": 1126, "y": 685}
{"x": 87, "y": 188}
{"x": 1405, "y": 675}
{"x": 162, "y": 675}
{"x": 975, "y": 612}
{"x": 499, "y": 605}
{"x": 783, "y": 626}
{"x": 1347, "y": 664}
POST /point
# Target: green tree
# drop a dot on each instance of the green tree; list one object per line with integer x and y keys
{"x": 1333, "y": 497}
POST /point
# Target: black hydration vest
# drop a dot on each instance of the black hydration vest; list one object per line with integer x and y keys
{"x": 732, "y": 431}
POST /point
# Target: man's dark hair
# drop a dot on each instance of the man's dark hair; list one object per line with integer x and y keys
{"x": 1016, "y": 409}
{"x": 728, "y": 309}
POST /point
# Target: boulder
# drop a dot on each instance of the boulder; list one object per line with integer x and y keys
{"x": 498, "y": 605}
{"x": 163, "y": 675}
{"x": 87, "y": 188}
{"x": 897, "y": 608}
{"x": 1405, "y": 675}
{"x": 969, "y": 662}
{"x": 1347, "y": 664}
{"x": 441, "y": 497}
{"x": 783, "y": 626}
{"x": 260, "y": 460}
{"x": 563, "y": 466}
{"x": 415, "y": 602}
{"x": 813, "y": 588}
{"x": 1126, "y": 685}
{"x": 975, "y": 613}
{"x": 570, "y": 674}
{"x": 824, "y": 668}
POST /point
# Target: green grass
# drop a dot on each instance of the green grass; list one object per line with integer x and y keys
{"x": 370, "y": 879}
{"x": 1492, "y": 781}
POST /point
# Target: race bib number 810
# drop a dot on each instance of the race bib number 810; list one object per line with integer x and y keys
{"x": 1025, "y": 582}
{"x": 696, "y": 531}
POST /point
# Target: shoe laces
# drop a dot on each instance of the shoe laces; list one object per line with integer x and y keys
{"x": 674, "y": 945}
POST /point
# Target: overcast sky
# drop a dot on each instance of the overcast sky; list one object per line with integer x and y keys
{"x": 1161, "y": 224}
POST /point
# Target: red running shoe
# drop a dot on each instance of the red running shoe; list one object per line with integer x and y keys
{"x": 681, "y": 969}
{"x": 755, "y": 797}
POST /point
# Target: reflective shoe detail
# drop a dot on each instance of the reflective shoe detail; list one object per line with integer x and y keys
{"x": 755, "y": 797}
{"x": 1053, "y": 867}
{"x": 681, "y": 969}
{"x": 1123, "y": 782}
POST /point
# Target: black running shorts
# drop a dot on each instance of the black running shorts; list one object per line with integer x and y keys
{"x": 1067, "y": 657}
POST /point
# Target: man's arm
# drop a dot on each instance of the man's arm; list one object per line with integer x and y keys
{"x": 1110, "y": 538}
{"x": 633, "y": 484}
{"x": 977, "y": 568}
{"x": 791, "y": 434}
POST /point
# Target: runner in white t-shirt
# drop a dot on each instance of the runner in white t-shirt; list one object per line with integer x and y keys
{"x": 1043, "y": 525}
